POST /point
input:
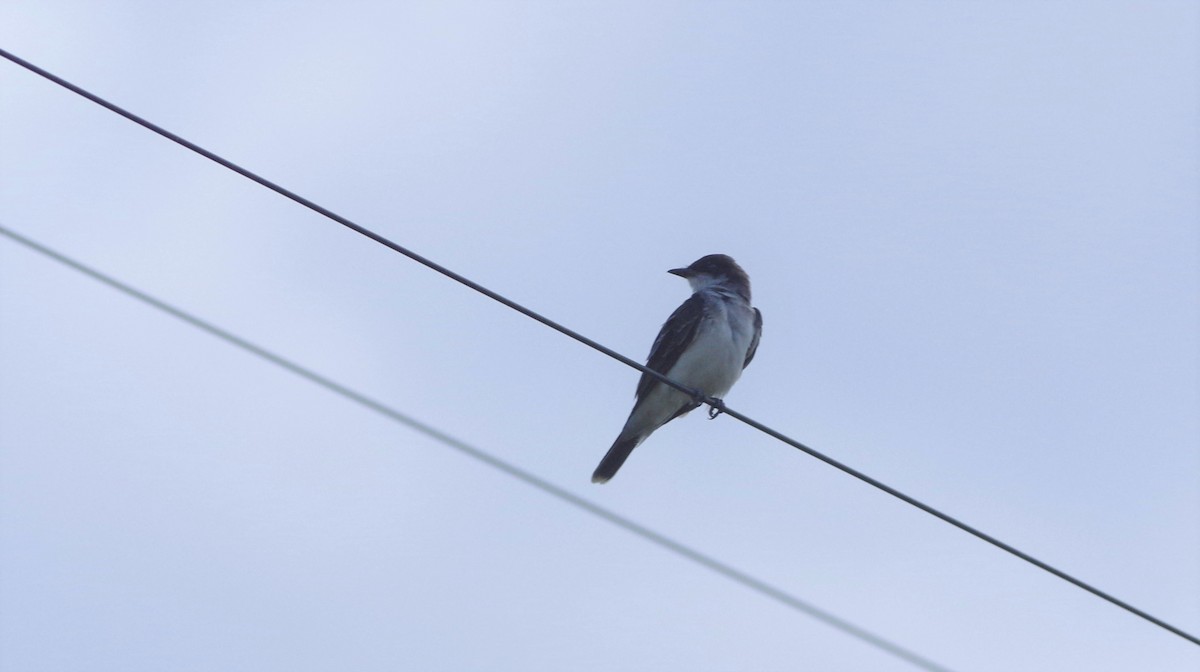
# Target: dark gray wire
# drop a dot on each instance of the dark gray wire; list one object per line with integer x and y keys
{"x": 646, "y": 533}
{"x": 593, "y": 344}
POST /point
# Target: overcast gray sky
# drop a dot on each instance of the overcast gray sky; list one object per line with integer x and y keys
{"x": 972, "y": 229}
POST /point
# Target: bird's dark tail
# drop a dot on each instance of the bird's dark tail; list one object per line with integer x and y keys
{"x": 615, "y": 457}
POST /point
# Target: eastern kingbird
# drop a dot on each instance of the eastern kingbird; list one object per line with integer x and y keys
{"x": 704, "y": 345}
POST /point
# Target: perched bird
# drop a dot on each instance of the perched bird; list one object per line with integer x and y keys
{"x": 704, "y": 345}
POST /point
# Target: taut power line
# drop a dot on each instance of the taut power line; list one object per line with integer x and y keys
{"x": 714, "y": 403}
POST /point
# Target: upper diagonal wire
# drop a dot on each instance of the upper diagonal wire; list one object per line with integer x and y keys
{"x": 597, "y": 346}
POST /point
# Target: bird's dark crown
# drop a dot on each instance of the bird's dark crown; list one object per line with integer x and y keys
{"x": 717, "y": 265}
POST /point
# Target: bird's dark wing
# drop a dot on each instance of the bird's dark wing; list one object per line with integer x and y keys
{"x": 754, "y": 341}
{"x": 676, "y": 334}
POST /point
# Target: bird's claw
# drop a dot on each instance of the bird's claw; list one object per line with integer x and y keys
{"x": 715, "y": 407}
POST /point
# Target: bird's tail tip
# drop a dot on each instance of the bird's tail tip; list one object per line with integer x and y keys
{"x": 614, "y": 458}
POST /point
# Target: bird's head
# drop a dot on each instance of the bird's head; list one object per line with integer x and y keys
{"x": 715, "y": 269}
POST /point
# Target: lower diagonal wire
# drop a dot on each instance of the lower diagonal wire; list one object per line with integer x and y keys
{"x": 562, "y": 494}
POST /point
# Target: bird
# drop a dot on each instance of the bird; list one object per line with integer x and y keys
{"x": 704, "y": 345}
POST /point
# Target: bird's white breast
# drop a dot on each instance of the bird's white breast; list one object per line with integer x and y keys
{"x": 715, "y": 360}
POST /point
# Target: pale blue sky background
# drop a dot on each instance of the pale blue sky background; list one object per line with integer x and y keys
{"x": 971, "y": 227}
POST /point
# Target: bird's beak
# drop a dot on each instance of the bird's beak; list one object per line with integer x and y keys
{"x": 681, "y": 272}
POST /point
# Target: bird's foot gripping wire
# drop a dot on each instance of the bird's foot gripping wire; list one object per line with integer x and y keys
{"x": 715, "y": 407}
